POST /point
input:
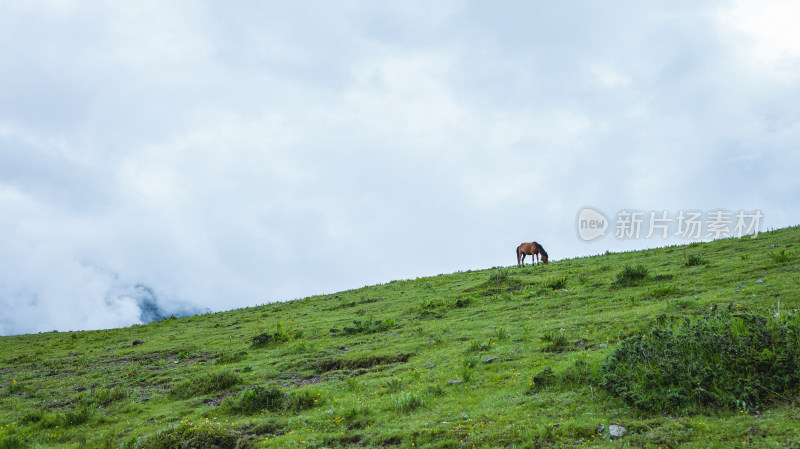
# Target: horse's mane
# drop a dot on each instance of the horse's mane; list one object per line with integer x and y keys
{"x": 541, "y": 249}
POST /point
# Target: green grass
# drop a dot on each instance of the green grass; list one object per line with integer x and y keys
{"x": 686, "y": 346}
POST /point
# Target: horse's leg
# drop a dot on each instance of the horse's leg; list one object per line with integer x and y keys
{"x": 524, "y": 255}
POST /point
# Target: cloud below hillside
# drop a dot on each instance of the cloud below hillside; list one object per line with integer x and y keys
{"x": 229, "y": 156}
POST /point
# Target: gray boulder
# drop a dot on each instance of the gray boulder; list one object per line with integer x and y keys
{"x": 616, "y": 432}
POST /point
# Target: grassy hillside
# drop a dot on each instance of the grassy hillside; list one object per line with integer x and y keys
{"x": 504, "y": 357}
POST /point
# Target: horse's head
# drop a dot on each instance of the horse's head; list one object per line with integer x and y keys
{"x": 544, "y": 258}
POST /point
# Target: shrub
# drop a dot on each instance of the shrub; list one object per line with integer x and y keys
{"x": 205, "y": 383}
{"x": 660, "y": 291}
{"x": 351, "y": 383}
{"x": 579, "y": 374}
{"x": 75, "y": 417}
{"x": 436, "y": 308}
{"x": 430, "y": 308}
{"x": 369, "y": 327}
{"x": 715, "y": 361}
{"x": 195, "y": 436}
{"x": 780, "y": 257}
{"x": 253, "y": 401}
{"x": 407, "y": 402}
{"x": 270, "y": 427}
{"x": 33, "y": 416}
{"x": 556, "y": 341}
{"x": 499, "y": 276}
{"x": 105, "y": 396}
{"x": 10, "y": 438}
{"x": 13, "y": 388}
{"x": 542, "y": 379}
{"x": 362, "y": 362}
{"x": 464, "y": 302}
{"x": 13, "y": 442}
{"x": 357, "y": 418}
{"x": 499, "y": 281}
{"x": 478, "y": 346}
{"x": 467, "y": 367}
{"x": 394, "y": 385}
{"x": 631, "y": 275}
{"x": 225, "y": 358}
{"x": 501, "y": 334}
{"x": 693, "y": 261}
{"x": 302, "y": 400}
{"x": 556, "y": 282}
{"x": 282, "y": 334}
{"x": 273, "y": 400}
{"x": 265, "y": 339}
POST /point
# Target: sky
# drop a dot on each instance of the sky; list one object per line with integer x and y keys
{"x": 193, "y": 156}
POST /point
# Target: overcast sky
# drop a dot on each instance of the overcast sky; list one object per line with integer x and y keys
{"x": 225, "y": 154}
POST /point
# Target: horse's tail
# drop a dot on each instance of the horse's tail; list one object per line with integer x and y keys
{"x": 520, "y": 246}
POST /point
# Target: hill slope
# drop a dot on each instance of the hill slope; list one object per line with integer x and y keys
{"x": 504, "y": 357}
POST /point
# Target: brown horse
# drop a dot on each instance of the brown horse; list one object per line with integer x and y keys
{"x": 532, "y": 248}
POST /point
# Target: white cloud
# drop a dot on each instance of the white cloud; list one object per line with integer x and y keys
{"x": 770, "y": 38}
{"x": 610, "y": 77}
{"x": 223, "y": 156}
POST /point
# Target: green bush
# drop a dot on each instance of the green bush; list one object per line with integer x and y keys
{"x": 195, "y": 436}
{"x": 499, "y": 281}
{"x": 407, "y": 402}
{"x": 631, "y": 275}
{"x": 543, "y": 379}
{"x": 693, "y": 261}
{"x": 302, "y": 400}
{"x": 579, "y": 374}
{"x": 661, "y": 291}
{"x": 283, "y": 333}
{"x": 718, "y": 360}
{"x": 467, "y": 368}
{"x": 556, "y": 282}
{"x": 225, "y": 358}
{"x": 14, "y": 388}
{"x": 430, "y": 308}
{"x": 256, "y": 400}
{"x": 33, "y": 416}
{"x": 13, "y": 442}
{"x": 205, "y": 383}
{"x": 267, "y": 339}
{"x": 464, "y": 302}
{"x": 10, "y": 438}
{"x": 273, "y": 400}
{"x": 394, "y": 385}
{"x": 479, "y": 346}
{"x": 500, "y": 276}
{"x": 556, "y": 341}
{"x": 357, "y": 418}
{"x": 501, "y": 334}
{"x": 105, "y": 396}
{"x": 780, "y": 257}
{"x": 369, "y": 327}
{"x": 75, "y": 417}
